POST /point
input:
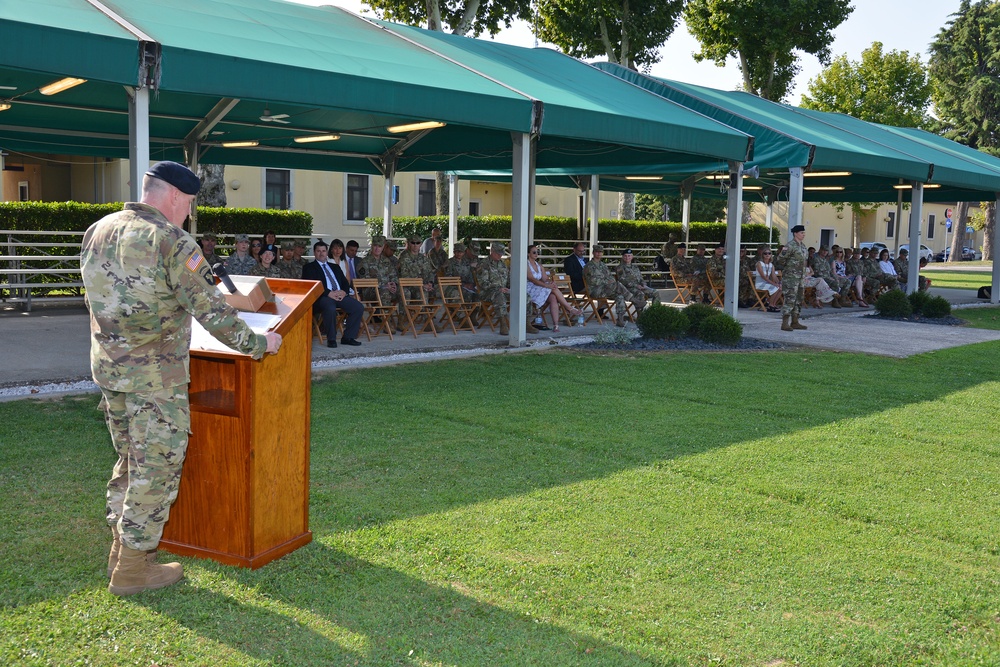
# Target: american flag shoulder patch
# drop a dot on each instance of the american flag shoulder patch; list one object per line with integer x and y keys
{"x": 194, "y": 261}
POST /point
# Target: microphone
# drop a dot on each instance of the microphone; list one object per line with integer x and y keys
{"x": 223, "y": 275}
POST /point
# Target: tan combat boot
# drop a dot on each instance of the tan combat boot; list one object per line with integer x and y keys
{"x": 795, "y": 322}
{"x": 530, "y": 328}
{"x": 784, "y": 323}
{"x": 116, "y": 546}
{"x": 134, "y": 573}
{"x": 504, "y": 326}
{"x": 836, "y": 301}
{"x": 845, "y": 301}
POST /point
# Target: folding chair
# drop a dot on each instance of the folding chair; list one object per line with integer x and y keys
{"x": 486, "y": 308}
{"x": 683, "y": 285}
{"x": 597, "y": 303}
{"x": 318, "y": 329}
{"x": 717, "y": 291}
{"x": 417, "y": 310}
{"x": 761, "y": 295}
{"x": 565, "y": 285}
{"x": 377, "y": 317}
{"x": 455, "y": 307}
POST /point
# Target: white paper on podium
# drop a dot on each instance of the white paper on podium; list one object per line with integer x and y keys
{"x": 261, "y": 323}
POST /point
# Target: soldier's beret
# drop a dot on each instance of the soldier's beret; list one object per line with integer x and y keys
{"x": 798, "y": 228}
{"x": 682, "y": 245}
{"x": 598, "y": 248}
{"x": 378, "y": 239}
{"x": 459, "y": 247}
{"x": 176, "y": 175}
{"x": 242, "y": 238}
{"x": 210, "y": 235}
{"x": 627, "y": 251}
{"x": 498, "y": 248}
{"x": 270, "y": 246}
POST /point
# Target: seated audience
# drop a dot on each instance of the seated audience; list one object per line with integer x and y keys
{"x": 573, "y": 266}
{"x": 337, "y": 295}
{"x": 287, "y": 265}
{"x": 241, "y": 263}
{"x": 824, "y": 293}
{"x": 766, "y": 278}
{"x": 207, "y": 243}
{"x": 266, "y": 266}
{"x": 842, "y": 269}
{"x": 541, "y": 290}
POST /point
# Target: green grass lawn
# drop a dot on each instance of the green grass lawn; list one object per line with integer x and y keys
{"x": 561, "y": 508}
{"x": 944, "y": 277}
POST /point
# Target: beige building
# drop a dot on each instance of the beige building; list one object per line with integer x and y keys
{"x": 340, "y": 202}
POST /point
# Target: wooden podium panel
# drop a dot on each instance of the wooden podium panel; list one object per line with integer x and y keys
{"x": 244, "y": 492}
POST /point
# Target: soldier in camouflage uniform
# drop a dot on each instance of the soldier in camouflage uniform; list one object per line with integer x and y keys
{"x": 472, "y": 249}
{"x": 389, "y": 252}
{"x": 699, "y": 272}
{"x": 414, "y": 265}
{"x": 746, "y": 289}
{"x": 437, "y": 254}
{"x": 669, "y": 249}
{"x": 299, "y": 247}
{"x": 630, "y": 277}
{"x": 207, "y": 243}
{"x": 145, "y": 279}
{"x": 871, "y": 274}
{"x": 601, "y": 283}
{"x": 902, "y": 266}
{"x": 822, "y": 268}
{"x": 376, "y": 265}
{"x": 458, "y": 267}
{"x": 241, "y": 262}
{"x": 287, "y": 266}
{"x": 494, "y": 287}
{"x": 266, "y": 267}
{"x": 793, "y": 269}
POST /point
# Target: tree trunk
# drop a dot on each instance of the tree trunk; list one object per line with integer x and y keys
{"x": 958, "y": 224}
{"x": 991, "y": 221}
{"x": 626, "y": 206}
{"x": 213, "y": 185}
{"x": 441, "y": 190}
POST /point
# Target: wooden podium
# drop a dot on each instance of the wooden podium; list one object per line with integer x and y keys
{"x": 244, "y": 492}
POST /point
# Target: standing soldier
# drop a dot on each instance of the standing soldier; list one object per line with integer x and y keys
{"x": 146, "y": 278}
{"x": 629, "y": 275}
{"x": 602, "y": 284}
{"x": 494, "y": 286}
{"x": 793, "y": 270}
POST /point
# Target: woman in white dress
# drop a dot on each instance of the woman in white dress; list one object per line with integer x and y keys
{"x": 766, "y": 278}
{"x": 541, "y": 290}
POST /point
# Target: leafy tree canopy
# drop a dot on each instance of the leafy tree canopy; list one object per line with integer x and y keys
{"x": 650, "y": 207}
{"x": 625, "y": 32}
{"x": 460, "y": 17}
{"x": 890, "y": 88}
{"x": 765, "y": 36}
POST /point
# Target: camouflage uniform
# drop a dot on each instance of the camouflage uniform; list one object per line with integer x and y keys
{"x": 630, "y": 277}
{"x": 240, "y": 266}
{"x": 746, "y": 290}
{"x": 145, "y": 278}
{"x": 438, "y": 257}
{"x": 415, "y": 265}
{"x": 823, "y": 269}
{"x": 459, "y": 267}
{"x": 699, "y": 274}
{"x": 794, "y": 256}
{"x": 289, "y": 269}
{"x": 601, "y": 283}
{"x": 872, "y": 276}
{"x": 381, "y": 269}
{"x": 271, "y": 272}
{"x": 902, "y": 266}
{"x": 717, "y": 268}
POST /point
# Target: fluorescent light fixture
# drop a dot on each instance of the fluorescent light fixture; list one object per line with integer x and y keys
{"x": 60, "y": 85}
{"x": 4, "y": 105}
{"x": 752, "y": 187}
{"x": 239, "y": 144}
{"x": 723, "y": 177}
{"x": 824, "y": 188}
{"x": 927, "y": 186}
{"x": 643, "y": 178}
{"x": 814, "y": 174}
{"x": 414, "y": 127}
{"x": 315, "y": 138}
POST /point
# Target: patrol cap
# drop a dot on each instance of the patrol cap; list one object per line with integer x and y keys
{"x": 242, "y": 238}
{"x": 627, "y": 251}
{"x": 415, "y": 238}
{"x": 903, "y": 251}
{"x": 378, "y": 239}
{"x": 474, "y": 247}
{"x": 598, "y": 248}
{"x": 498, "y": 247}
{"x": 210, "y": 235}
{"x": 459, "y": 247}
{"x": 300, "y": 243}
{"x": 176, "y": 175}
{"x": 798, "y": 228}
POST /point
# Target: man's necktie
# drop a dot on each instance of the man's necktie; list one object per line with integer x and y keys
{"x": 329, "y": 274}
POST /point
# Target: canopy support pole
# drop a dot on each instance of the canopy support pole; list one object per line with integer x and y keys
{"x": 686, "y": 216}
{"x": 770, "y": 218}
{"x": 522, "y": 192}
{"x": 191, "y": 151}
{"x": 734, "y": 220}
{"x": 899, "y": 218}
{"x": 531, "y": 200}
{"x": 390, "y": 177}
{"x": 995, "y": 288}
{"x": 594, "y": 202}
{"x": 138, "y": 135}
{"x": 452, "y": 212}
{"x": 916, "y": 210}
{"x": 795, "y": 184}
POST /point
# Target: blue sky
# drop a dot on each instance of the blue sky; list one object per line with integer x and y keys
{"x": 903, "y": 25}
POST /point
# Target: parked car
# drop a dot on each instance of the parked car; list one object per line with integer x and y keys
{"x": 968, "y": 255}
{"x": 924, "y": 251}
{"x": 877, "y": 246}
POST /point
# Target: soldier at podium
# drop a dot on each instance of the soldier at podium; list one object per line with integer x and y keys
{"x": 146, "y": 278}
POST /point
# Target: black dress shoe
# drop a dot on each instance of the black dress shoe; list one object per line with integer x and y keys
{"x": 350, "y": 341}
{"x": 330, "y": 342}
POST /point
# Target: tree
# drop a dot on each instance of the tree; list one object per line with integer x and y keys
{"x": 462, "y": 18}
{"x": 965, "y": 79}
{"x": 213, "y": 185}
{"x": 890, "y": 88}
{"x": 616, "y": 29}
{"x": 765, "y": 36}
{"x": 651, "y": 207}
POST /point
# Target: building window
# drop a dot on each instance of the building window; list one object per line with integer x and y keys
{"x": 474, "y": 207}
{"x": 277, "y": 188}
{"x": 426, "y": 191}
{"x": 931, "y": 224}
{"x": 890, "y": 225}
{"x": 357, "y": 196}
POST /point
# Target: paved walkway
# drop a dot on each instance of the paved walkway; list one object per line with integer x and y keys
{"x": 51, "y": 344}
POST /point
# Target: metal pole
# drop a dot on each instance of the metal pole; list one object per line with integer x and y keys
{"x": 916, "y": 210}
{"x": 452, "y": 212}
{"x": 734, "y": 220}
{"x": 594, "y": 201}
{"x": 138, "y": 144}
{"x": 686, "y": 216}
{"x": 390, "y": 176}
{"x": 521, "y": 194}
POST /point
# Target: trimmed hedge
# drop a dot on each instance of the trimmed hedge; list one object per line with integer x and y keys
{"x": 559, "y": 228}
{"x": 76, "y": 217}
{"x": 659, "y": 321}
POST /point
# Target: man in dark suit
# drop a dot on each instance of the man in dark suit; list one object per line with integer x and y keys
{"x": 573, "y": 267}
{"x": 337, "y": 294}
